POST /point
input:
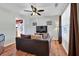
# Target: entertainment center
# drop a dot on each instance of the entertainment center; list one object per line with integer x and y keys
{"x": 42, "y": 30}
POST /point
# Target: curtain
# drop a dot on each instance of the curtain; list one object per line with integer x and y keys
{"x": 73, "y": 40}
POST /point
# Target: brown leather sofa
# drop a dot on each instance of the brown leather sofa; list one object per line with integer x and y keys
{"x": 36, "y": 47}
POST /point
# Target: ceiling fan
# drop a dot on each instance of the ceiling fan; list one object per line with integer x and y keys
{"x": 34, "y": 11}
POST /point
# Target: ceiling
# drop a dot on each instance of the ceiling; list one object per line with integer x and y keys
{"x": 51, "y": 9}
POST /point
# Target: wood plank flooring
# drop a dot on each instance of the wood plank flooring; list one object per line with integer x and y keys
{"x": 56, "y": 50}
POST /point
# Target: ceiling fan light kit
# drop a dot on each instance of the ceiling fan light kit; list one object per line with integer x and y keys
{"x": 34, "y": 11}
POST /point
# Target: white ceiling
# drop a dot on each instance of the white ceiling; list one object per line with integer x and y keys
{"x": 50, "y": 9}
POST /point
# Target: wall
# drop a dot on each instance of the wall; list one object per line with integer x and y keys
{"x": 41, "y": 20}
{"x": 65, "y": 28}
{"x": 7, "y": 26}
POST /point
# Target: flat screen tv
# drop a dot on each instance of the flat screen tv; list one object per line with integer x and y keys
{"x": 41, "y": 29}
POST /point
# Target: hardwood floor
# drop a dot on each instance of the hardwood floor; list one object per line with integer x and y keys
{"x": 56, "y": 50}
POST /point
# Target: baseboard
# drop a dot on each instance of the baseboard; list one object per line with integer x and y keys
{"x": 64, "y": 50}
{"x": 9, "y": 44}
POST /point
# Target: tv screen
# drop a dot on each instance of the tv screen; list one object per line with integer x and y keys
{"x": 41, "y": 29}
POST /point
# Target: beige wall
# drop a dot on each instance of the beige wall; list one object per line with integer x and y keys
{"x": 66, "y": 28}
{"x": 7, "y": 26}
{"x": 41, "y": 20}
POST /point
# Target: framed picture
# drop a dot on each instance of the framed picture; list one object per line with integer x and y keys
{"x": 49, "y": 22}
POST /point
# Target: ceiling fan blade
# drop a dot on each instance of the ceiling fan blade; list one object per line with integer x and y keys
{"x": 34, "y": 9}
{"x": 32, "y": 6}
{"x": 40, "y": 10}
{"x": 27, "y": 11}
{"x": 31, "y": 14}
{"x": 39, "y": 14}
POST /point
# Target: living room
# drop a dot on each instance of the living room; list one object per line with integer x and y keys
{"x": 41, "y": 28}
{"x": 52, "y": 24}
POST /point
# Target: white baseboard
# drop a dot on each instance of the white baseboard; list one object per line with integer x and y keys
{"x": 65, "y": 49}
{"x": 5, "y": 45}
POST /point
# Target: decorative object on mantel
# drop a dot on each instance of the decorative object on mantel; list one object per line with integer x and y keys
{"x": 49, "y": 22}
{"x": 34, "y": 23}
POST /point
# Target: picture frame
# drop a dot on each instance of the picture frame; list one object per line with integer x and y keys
{"x": 49, "y": 22}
